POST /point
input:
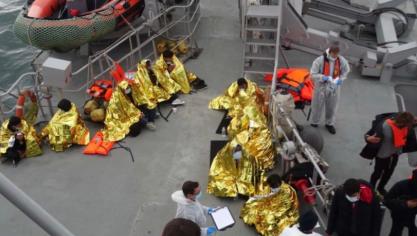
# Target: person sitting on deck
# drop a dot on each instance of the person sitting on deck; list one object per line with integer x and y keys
{"x": 66, "y": 128}
{"x": 14, "y": 125}
{"x": 237, "y": 167}
{"x": 171, "y": 73}
{"x": 16, "y": 150}
{"x": 239, "y": 94}
{"x": 122, "y": 115}
{"x": 273, "y": 212}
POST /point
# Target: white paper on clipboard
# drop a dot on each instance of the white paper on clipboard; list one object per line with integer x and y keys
{"x": 223, "y": 218}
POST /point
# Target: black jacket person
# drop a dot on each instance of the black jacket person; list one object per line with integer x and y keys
{"x": 402, "y": 202}
{"x": 355, "y": 210}
{"x": 390, "y": 135}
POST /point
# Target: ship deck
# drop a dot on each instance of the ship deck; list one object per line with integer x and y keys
{"x": 112, "y": 195}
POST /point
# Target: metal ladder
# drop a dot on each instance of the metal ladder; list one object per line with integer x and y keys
{"x": 261, "y": 36}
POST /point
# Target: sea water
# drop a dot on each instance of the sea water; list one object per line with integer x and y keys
{"x": 15, "y": 56}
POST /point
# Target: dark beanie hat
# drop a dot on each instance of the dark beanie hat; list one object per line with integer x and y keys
{"x": 307, "y": 221}
{"x": 181, "y": 227}
{"x": 64, "y": 105}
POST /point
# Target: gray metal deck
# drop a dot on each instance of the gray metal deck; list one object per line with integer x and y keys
{"x": 111, "y": 196}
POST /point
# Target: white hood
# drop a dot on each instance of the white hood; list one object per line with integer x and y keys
{"x": 178, "y": 197}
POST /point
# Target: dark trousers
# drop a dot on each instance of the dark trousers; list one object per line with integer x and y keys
{"x": 383, "y": 170}
{"x": 11, "y": 155}
{"x": 150, "y": 114}
{"x": 398, "y": 226}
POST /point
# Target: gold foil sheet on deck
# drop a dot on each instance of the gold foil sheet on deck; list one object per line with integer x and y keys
{"x": 272, "y": 214}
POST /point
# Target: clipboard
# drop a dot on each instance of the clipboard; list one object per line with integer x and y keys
{"x": 223, "y": 218}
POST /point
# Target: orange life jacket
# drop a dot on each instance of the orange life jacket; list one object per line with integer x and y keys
{"x": 101, "y": 89}
{"x": 97, "y": 146}
{"x": 326, "y": 67}
{"x": 298, "y": 82}
{"x": 399, "y": 134}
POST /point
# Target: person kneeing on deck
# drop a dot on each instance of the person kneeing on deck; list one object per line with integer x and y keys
{"x": 188, "y": 206}
{"x": 15, "y": 125}
{"x": 168, "y": 66}
{"x": 273, "y": 212}
{"x": 66, "y": 128}
{"x": 328, "y": 72}
{"x": 306, "y": 224}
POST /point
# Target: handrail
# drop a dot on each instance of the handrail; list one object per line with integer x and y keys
{"x": 16, "y": 83}
{"x": 131, "y": 33}
{"x": 185, "y": 19}
{"x": 402, "y": 102}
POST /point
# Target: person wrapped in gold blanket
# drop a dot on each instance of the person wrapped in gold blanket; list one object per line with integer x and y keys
{"x": 173, "y": 76}
{"x": 239, "y": 94}
{"x": 238, "y": 167}
{"x": 273, "y": 212}
{"x": 121, "y": 113}
{"x": 66, "y": 128}
{"x": 14, "y": 125}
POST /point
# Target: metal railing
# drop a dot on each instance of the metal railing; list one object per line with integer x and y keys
{"x": 188, "y": 21}
{"x": 140, "y": 42}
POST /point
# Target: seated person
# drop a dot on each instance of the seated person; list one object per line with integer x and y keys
{"x": 66, "y": 128}
{"x": 16, "y": 150}
{"x": 273, "y": 212}
{"x": 159, "y": 89}
{"x": 121, "y": 114}
{"x": 239, "y": 94}
{"x": 169, "y": 67}
{"x": 14, "y": 125}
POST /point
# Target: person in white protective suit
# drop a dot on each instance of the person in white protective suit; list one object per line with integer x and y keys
{"x": 188, "y": 206}
{"x": 328, "y": 72}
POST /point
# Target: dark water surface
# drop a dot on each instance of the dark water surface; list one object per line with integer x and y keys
{"x": 15, "y": 56}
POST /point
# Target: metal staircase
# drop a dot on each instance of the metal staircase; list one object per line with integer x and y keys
{"x": 261, "y": 34}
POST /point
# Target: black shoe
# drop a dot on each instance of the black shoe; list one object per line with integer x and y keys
{"x": 331, "y": 129}
{"x": 314, "y": 125}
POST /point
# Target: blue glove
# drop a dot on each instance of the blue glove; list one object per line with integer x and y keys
{"x": 325, "y": 78}
{"x": 211, "y": 210}
{"x": 339, "y": 82}
{"x": 211, "y": 230}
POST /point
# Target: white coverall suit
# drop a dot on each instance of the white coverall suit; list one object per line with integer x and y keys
{"x": 326, "y": 94}
{"x": 191, "y": 210}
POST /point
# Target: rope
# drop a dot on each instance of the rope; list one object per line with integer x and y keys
{"x": 125, "y": 148}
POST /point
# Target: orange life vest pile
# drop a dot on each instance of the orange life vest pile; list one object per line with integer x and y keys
{"x": 296, "y": 81}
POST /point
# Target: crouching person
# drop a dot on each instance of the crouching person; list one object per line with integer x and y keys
{"x": 273, "y": 212}
{"x": 188, "y": 206}
{"x": 66, "y": 128}
{"x": 16, "y": 149}
{"x": 10, "y": 128}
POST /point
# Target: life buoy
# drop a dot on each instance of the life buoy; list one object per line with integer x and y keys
{"x": 21, "y": 101}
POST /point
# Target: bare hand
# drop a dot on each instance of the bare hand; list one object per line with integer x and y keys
{"x": 412, "y": 203}
{"x": 373, "y": 139}
{"x": 171, "y": 67}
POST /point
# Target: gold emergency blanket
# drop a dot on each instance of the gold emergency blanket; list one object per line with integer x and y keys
{"x": 228, "y": 177}
{"x": 121, "y": 113}
{"x": 144, "y": 92}
{"x": 65, "y": 129}
{"x": 271, "y": 214}
{"x": 234, "y": 100}
{"x": 32, "y": 141}
{"x": 179, "y": 75}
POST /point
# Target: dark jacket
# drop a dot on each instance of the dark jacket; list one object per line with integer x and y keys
{"x": 396, "y": 200}
{"x": 360, "y": 218}
{"x": 371, "y": 149}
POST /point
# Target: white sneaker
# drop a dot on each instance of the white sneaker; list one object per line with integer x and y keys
{"x": 151, "y": 126}
{"x": 178, "y": 102}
